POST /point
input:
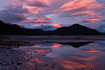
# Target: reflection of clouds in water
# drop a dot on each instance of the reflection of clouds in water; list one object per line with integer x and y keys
{"x": 62, "y": 44}
{"x": 92, "y": 51}
{"x": 87, "y": 58}
{"x": 20, "y": 60}
{"x": 65, "y": 57}
{"x": 80, "y": 65}
{"x": 71, "y": 64}
{"x": 37, "y": 51}
{"x": 56, "y": 46}
{"x": 48, "y": 45}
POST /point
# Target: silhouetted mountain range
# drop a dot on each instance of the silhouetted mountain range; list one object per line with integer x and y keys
{"x": 13, "y": 29}
{"x": 76, "y": 29}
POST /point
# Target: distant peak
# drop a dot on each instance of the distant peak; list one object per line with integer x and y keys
{"x": 76, "y": 24}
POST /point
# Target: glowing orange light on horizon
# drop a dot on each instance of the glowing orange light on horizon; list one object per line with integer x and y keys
{"x": 56, "y": 25}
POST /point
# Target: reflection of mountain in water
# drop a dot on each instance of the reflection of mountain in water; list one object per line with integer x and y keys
{"x": 76, "y": 44}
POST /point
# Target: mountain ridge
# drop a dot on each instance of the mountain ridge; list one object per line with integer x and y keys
{"x": 75, "y": 29}
{"x": 14, "y": 29}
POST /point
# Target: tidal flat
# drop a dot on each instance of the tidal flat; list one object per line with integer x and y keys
{"x": 52, "y": 52}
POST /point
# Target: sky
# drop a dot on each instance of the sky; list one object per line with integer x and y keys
{"x": 52, "y": 14}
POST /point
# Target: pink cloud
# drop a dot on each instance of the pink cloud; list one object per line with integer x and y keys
{"x": 42, "y": 21}
{"x": 80, "y": 4}
{"x": 33, "y": 10}
{"x": 56, "y": 25}
{"x": 38, "y": 3}
{"x": 36, "y": 25}
{"x": 83, "y": 13}
{"x": 80, "y": 8}
{"x": 96, "y": 16}
{"x": 34, "y": 6}
{"x": 49, "y": 17}
{"x": 91, "y": 20}
{"x": 39, "y": 20}
{"x": 27, "y": 11}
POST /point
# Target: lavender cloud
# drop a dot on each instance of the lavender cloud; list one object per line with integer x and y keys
{"x": 13, "y": 13}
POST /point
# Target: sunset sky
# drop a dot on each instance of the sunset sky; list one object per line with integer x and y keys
{"x": 51, "y": 14}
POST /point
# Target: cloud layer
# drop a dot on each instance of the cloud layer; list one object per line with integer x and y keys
{"x": 54, "y": 13}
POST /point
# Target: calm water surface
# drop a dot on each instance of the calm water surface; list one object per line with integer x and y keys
{"x": 55, "y": 56}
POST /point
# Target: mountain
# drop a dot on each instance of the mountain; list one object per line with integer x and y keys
{"x": 13, "y": 29}
{"x": 6, "y": 28}
{"x": 75, "y": 29}
{"x": 40, "y": 31}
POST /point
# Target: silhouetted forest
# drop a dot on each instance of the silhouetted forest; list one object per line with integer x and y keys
{"x": 13, "y": 29}
{"x": 76, "y": 29}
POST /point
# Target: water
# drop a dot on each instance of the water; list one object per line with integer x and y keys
{"x": 78, "y": 55}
